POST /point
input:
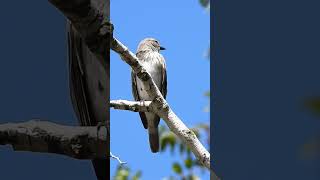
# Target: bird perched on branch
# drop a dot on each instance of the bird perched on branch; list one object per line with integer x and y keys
{"x": 148, "y": 53}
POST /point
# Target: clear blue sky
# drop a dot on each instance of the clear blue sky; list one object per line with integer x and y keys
{"x": 183, "y": 29}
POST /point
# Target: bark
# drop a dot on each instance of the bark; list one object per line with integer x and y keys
{"x": 135, "y": 106}
{"x": 42, "y": 136}
{"x": 91, "y": 20}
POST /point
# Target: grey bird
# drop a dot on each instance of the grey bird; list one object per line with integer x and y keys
{"x": 148, "y": 53}
{"x": 89, "y": 90}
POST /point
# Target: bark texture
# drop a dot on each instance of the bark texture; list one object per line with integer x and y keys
{"x": 47, "y": 137}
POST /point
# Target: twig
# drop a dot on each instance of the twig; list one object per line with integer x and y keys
{"x": 117, "y": 158}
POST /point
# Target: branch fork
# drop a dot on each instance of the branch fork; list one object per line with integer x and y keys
{"x": 160, "y": 106}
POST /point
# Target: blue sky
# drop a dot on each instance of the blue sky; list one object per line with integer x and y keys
{"x": 183, "y": 29}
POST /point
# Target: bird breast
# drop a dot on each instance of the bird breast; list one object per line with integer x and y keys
{"x": 152, "y": 62}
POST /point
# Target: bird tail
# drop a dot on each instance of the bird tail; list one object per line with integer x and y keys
{"x": 154, "y": 139}
{"x": 154, "y": 134}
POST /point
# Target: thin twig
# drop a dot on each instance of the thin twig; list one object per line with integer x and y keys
{"x": 117, "y": 158}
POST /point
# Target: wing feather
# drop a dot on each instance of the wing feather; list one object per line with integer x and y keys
{"x": 137, "y": 98}
{"x": 164, "y": 79}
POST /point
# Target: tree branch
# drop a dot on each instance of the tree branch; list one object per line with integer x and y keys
{"x": 85, "y": 142}
{"x": 135, "y": 106}
{"x": 161, "y": 107}
{"x": 91, "y": 19}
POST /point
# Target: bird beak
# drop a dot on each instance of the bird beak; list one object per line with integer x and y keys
{"x": 162, "y": 48}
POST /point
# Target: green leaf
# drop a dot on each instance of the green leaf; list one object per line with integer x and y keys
{"x": 177, "y": 168}
{"x": 164, "y": 142}
{"x": 172, "y": 142}
{"x": 193, "y": 177}
{"x": 204, "y": 3}
{"x": 188, "y": 163}
{"x": 122, "y": 174}
{"x": 168, "y": 139}
{"x": 181, "y": 149}
{"x": 188, "y": 152}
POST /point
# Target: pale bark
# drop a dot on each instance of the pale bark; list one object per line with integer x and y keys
{"x": 135, "y": 106}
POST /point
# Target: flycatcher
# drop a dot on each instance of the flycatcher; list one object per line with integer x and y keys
{"x": 148, "y": 53}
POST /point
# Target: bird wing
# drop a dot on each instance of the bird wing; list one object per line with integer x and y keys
{"x": 163, "y": 85}
{"x": 137, "y": 98}
{"x": 163, "y": 89}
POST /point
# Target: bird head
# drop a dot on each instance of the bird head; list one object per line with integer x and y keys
{"x": 150, "y": 44}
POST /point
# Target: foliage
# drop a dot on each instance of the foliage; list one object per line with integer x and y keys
{"x": 123, "y": 173}
{"x": 168, "y": 140}
{"x": 205, "y": 3}
{"x": 185, "y": 168}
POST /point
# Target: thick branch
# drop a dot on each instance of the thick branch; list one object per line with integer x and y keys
{"x": 91, "y": 20}
{"x": 42, "y": 136}
{"x": 161, "y": 107}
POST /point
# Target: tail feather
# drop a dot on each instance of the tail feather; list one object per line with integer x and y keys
{"x": 143, "y": 119}
{"x": 154, "y": 139}
{"x": 153, "y": 122}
